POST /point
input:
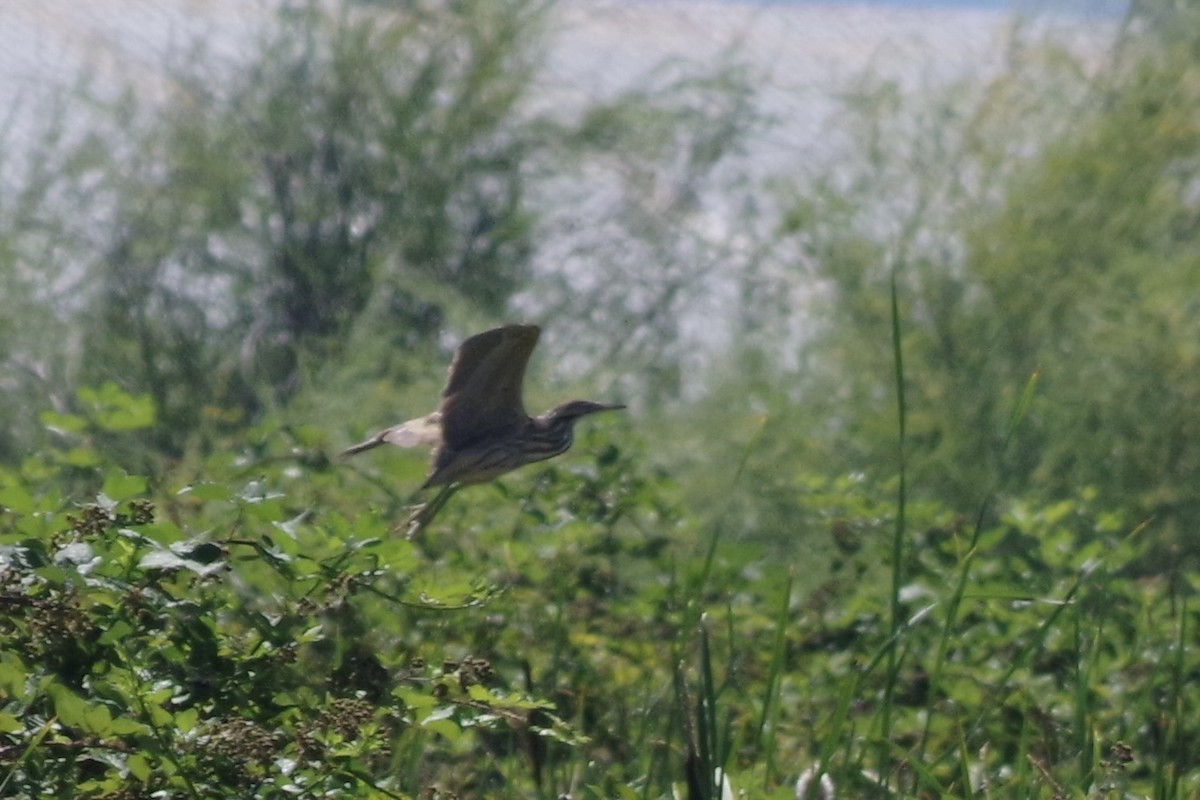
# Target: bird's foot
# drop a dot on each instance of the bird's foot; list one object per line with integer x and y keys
{"x": 419, "y": 517}
{"x": 422, "y": 514}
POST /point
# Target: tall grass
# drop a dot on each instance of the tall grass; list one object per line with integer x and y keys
{"x": 1006, "y": 663}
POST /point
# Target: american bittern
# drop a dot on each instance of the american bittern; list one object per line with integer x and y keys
{"x": 481, "y": 430}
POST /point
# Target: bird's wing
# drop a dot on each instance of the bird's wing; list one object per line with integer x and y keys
{"x": 483, "y": 393}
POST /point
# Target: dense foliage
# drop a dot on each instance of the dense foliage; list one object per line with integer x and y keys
{"x": 258, "y": 630}
{"x": 1041, "y": 223}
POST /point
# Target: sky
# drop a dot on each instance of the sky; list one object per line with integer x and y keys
{"x": 1088, "y": 8}
{"x": 803, "y": 53}
{"x": 805, "y": 48}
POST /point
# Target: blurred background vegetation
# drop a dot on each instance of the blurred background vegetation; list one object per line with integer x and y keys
{"x": 304, "y": 233}
{"x": 268, "y": 256}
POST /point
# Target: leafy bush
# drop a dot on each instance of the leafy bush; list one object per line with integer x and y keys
{"x": 260, "y": 632}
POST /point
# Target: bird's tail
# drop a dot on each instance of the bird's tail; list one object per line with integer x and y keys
{"x": 374, "y": 441}
{"x": 425, "y": 430}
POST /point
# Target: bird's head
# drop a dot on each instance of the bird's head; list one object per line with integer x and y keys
{"x": 574, "y": 409}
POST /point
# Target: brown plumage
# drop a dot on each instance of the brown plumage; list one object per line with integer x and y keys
{"x": 481, "y": 429}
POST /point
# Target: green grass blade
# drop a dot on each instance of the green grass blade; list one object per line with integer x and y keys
{"x": 898, "y": 537}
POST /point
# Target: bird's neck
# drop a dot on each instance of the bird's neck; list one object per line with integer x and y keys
{"x": 560, "y": 430}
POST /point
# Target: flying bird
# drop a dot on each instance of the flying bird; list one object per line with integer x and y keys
{"x": 480, "y": 429}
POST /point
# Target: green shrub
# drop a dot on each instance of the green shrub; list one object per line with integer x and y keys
{"x": 261, "y": 632}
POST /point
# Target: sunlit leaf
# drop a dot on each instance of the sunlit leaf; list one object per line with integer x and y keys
{"x": 138, "y": 766}
{"x": 12, "y": 675}
{"x": 16, "y": 499}
{"x": 63, "y": 423}
{"x": 441, "y": 722}
{"x": 121, "y": 486}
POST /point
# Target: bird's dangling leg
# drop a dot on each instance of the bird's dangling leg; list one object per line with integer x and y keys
{"x": 423, "y": 514}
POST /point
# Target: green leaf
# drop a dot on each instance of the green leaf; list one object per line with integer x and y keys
{"x": 34, "y": 526}
{"x": 114, "y": 409}
{"x": 122, "y": 486}
{"x": 310, "y": 435}
{"x": 161, "y": 531}
{"x": 414, "y": 698}
{"x": 441, "y": 722}
{"x": 268, "y": 510}
{"x": 116, "y": 632}
{"x": 207, "y": 491}
{"x": 12, "y": 675}
{"x": 70, "y": 708}
{"x": 124, "y": 726}
{"x": 480, "y": 693}
{"x": 625, "y": 793}
{"x": 98, "y": 720}
{"x": 16, "y": 499}
{"x": 185, "y": 720}
{"x": 139, "y": 767}
{"x": 81, "y": 457}
{"x": 63, "y": 423}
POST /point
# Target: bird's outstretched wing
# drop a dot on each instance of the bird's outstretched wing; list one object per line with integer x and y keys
{"x": 482, "y": 397}
{"x": 425, "y": 430}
